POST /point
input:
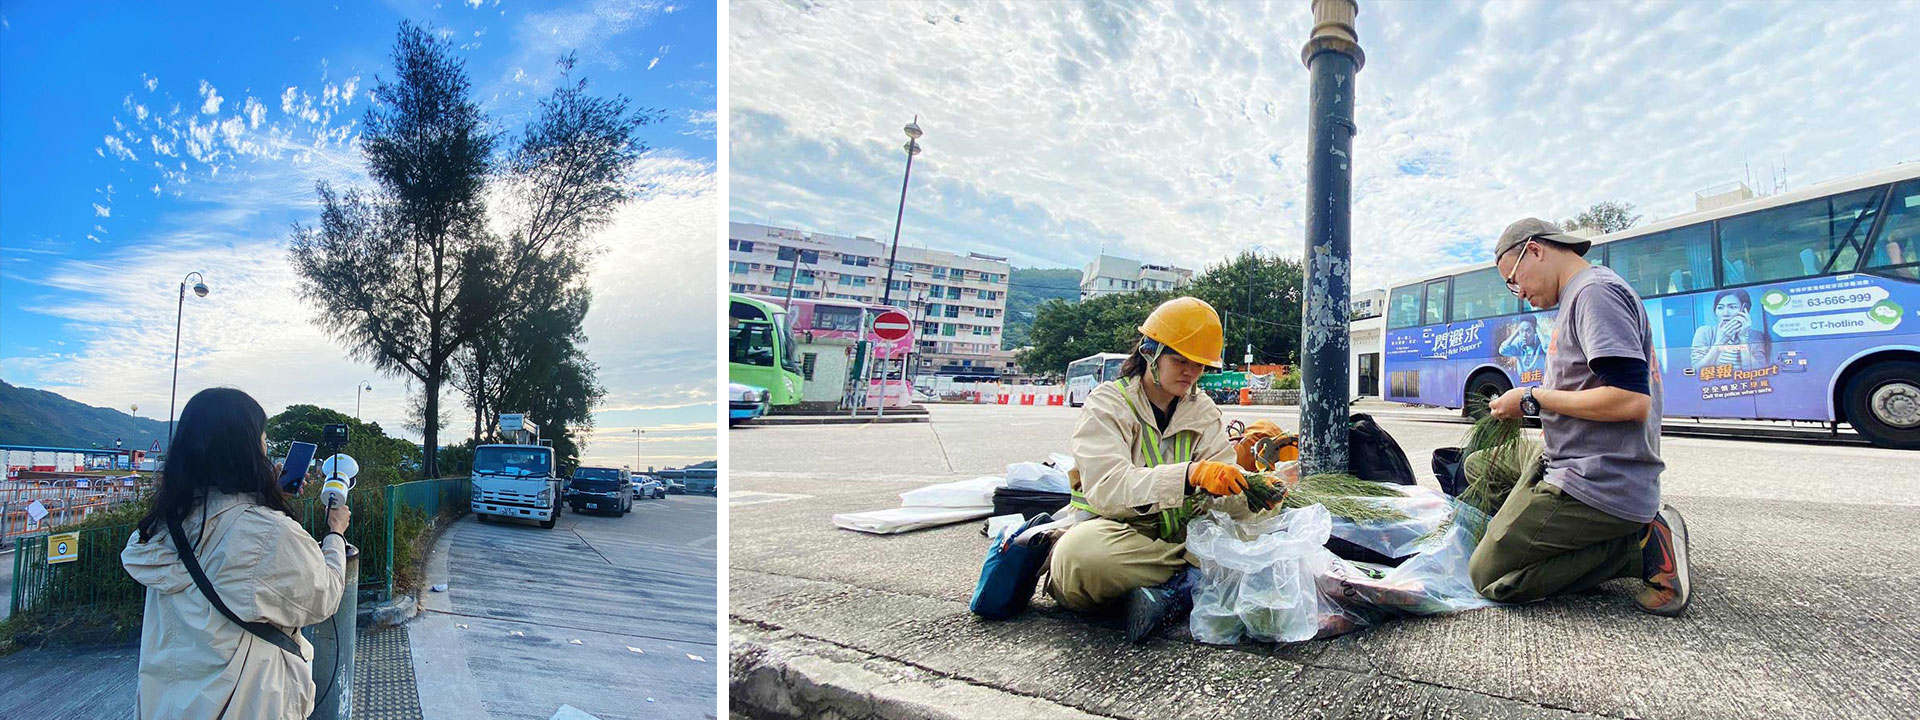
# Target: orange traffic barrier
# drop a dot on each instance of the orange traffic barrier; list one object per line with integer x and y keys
{"x": 1246, "y": 396}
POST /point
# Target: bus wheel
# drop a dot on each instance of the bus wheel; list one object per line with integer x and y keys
{"x": 1484, "y": 386}
{"x": 1883, "y": 404}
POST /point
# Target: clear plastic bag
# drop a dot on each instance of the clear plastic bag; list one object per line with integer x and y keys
{"x": 1274, "y": 580}
{"x": 1258, "y": 578}
{"x": 977, "y": 492}
{"x": 1038, "y": 476}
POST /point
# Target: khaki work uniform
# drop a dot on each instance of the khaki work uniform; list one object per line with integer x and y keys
{"x": 194, "y": 662}
{"x": 1135, "y": 478}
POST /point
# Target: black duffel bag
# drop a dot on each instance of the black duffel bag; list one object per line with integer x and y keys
{"x": 1027, "y": 503}
{"x": 1373, "y": 455}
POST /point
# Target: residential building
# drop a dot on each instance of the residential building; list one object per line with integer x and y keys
{"x": 958, "y": 301}
{"x": 1109, "y": 274}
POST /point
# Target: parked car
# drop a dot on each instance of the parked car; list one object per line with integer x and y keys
{"x": 648, "y": 486}
{"x": 600, "y": 488}
{"x": 675, "y": 486}
{"x": 745, "y": 402}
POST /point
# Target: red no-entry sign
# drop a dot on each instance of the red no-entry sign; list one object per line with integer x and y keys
{"x": 892, "y": 325}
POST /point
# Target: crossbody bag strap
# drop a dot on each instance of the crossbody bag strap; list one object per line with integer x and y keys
{"x": 261, "y": 630}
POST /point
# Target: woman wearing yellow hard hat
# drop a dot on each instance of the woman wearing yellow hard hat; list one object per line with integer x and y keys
{"x": 1144, "y": 444}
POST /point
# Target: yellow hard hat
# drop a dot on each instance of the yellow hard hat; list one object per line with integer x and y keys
{"x": 1189, "y": 326}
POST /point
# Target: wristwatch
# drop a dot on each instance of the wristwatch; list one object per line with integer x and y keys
{"x": 1529, "y": 406}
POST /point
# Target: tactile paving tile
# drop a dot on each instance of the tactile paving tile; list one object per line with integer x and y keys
{"x": 383, "y": 683}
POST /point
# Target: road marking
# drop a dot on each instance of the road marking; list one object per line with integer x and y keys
{"x": 749, "y": 497}
{"x": 569, "y": 712}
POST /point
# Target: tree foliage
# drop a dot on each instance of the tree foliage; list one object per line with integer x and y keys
{"x": 1604, "y": 217}
{"x": 1258, "y": 297}
{"x": 382, "y": 459}
{"x": 419, "y": 276}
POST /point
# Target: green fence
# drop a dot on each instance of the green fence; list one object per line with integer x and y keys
{"x": 431, "y": 498}
{"x": 95, "y": 577}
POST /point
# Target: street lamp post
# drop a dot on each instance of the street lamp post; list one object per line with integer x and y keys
{"x": 199, "y": 290}
{"x": 636, "y": 448}
{"x": 1333, "y": 57}
{"x": 364, "y": 386}
{"x": 913, "y": 148}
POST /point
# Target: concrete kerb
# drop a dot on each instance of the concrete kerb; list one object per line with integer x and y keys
{"x": 777, "y": 675}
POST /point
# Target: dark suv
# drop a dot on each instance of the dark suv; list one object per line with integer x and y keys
{"x": 604, "y": 489}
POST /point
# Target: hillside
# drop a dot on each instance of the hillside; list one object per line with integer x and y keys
{"x": 38, "y": 417}
{"x": 1026, "y": 289}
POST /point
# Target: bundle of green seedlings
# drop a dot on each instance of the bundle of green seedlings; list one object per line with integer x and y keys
{"x": 1498, "y": 470}
{"x": 1342, "y": 494}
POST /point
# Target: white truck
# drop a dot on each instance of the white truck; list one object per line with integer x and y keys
{"x": 517, "y": 479}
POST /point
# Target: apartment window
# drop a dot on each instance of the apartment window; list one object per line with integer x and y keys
{"x": 953, "y": 311}
{"x": 745, "y": 246}
{"x": 739, "y": 288}
{"x": 953, "y": 293}
{"x": 949, "y": 329}
{"x": 810, "y": 257}
{"x": 739, "y": 268}
{"x": 940, "y": 272}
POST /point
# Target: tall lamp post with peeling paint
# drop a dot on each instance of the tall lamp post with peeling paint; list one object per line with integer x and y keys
{"x": 1333, "y": 58}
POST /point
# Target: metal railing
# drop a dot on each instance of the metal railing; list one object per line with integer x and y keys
{"x": 431, "y": 498}
{"x": 95, "y": 577}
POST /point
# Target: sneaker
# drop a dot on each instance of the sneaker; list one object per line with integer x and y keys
{"x": 1664, "y": 554}
{"x": 1150, "y": 607}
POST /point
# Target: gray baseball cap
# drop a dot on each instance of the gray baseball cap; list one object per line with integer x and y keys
{"x": 1537, "y": 229}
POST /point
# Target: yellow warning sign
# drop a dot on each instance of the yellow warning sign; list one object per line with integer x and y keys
{"x": 64, "y": 547}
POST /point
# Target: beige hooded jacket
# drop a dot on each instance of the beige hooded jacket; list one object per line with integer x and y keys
{"x": 194, "y": 662}
{"x": 1110, "y": 466}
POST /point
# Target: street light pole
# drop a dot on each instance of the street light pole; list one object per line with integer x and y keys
{"x": 913, "y": 148}
{"x": 363, "y": 386}
{"x": 636, "y": 448}
{"x": 1333, "y": 57}
{"x": 180, "y": 311}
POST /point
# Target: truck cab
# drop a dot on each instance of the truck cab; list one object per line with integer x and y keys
{"x": 518, "y": 479}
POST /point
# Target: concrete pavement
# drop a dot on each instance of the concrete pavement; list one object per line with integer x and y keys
{"x": 1807, "y": 584}
{"x": 613, "y": 616}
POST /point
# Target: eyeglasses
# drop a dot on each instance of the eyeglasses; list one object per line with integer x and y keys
{"x": 1513, "y": 287}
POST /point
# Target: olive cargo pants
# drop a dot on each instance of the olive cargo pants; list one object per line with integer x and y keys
{"x": 1097, "y": 561}
{"x": 1543, "y": 541}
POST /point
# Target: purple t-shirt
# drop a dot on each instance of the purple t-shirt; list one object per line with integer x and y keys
{"x": 1613, "y": 466}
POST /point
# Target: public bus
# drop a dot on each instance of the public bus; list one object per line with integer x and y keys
{"x": 1089, "y": 371}
{"x": 760, "y": 349}
{"x": 1798, "y": 306}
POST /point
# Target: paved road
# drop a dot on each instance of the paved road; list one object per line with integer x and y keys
{"x": 1808, "y": 584}
{"x": 637, "y": 593}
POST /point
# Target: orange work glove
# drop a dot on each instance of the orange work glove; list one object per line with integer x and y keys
{"x": 1216, "y": 478}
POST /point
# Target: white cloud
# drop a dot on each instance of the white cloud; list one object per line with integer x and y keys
{"x": 256, "y": 112}
{"x": 655, "y": 61}
{"x": 118, "y": 148}
{"x": 152, "y": 83}
{"x": 211, "y": 99}
{"x": 1180, "y": 135}
{"x": 102, "y": 210}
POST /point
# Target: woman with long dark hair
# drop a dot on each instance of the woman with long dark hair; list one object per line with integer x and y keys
{"x": 220, "y": 491}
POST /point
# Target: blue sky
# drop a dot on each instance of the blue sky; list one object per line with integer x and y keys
{"x": 1176, "y": 132}
{"x": 139, "y": 142}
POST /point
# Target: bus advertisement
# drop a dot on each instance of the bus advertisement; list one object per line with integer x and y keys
{"x": 1801, "y": 306}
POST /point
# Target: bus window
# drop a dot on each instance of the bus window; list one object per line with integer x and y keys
{"x": 1665, "y": 263}
{"x": 1799, "y": 240}
{"x": 751, "y": 344}
{"x": 1403, "y": 311}
{"x": 1436, "y": 302}
{"x": 1897, "y": 251}
{"x": 1480, "y": 294}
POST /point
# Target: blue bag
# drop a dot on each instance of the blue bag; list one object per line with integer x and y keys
{"x": 1011, "y": 573}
